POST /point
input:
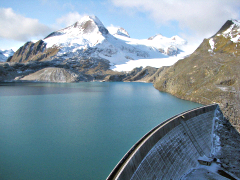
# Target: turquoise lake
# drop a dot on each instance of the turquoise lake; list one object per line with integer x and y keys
{"x": 76, "y": 130}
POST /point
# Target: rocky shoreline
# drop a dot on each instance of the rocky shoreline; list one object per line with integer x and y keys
{"x": 50, "y": 71}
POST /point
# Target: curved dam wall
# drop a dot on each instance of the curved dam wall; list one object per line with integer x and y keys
{"x": 170, "y": 149}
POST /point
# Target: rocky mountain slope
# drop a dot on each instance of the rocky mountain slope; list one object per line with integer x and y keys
{"x": 48, "y": 71}
{"x": 53, "y": 74}
{"x": 209, "y": 75}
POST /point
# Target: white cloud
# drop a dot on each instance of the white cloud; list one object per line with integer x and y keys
{"x": 69, "y": 19}
{"x": 17, "y": 27}
{"x": 202, "y": 17}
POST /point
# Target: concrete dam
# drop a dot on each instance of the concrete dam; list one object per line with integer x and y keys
{"x": 172, "y": 148}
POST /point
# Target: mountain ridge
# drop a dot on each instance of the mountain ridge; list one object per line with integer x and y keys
{"x": 210, "y": 74}
{"x": 88, "y": 37}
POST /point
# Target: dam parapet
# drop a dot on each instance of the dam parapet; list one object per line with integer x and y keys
{"x": 172, "y": 148}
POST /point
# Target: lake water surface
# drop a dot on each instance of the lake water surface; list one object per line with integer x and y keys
{"x": 76, "y": 130}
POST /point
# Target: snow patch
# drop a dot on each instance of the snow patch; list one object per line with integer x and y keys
{"x": 211, "y": 42}
{"x": 236, "y": 39}
{"x": 233, "y": 32}
{"x": 154, "y": 62}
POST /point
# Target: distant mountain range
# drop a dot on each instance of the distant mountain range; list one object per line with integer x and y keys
{"x": 5, "y": 54}
{"x": 88, "y": 38}
{"x": 87, "y": 51}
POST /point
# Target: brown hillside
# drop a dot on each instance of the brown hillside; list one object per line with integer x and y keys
{"x": 208, "y": 76}
{"x": 33, "y": 52}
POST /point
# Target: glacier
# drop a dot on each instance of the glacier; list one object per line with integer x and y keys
{"x": 89, "y": 38}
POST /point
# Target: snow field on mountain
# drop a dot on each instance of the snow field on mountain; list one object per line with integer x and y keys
{"x": 233, "y": 31}
{"x": 4, "y": 54}
{"x": 89, "y": 38}
{"x": 154, "y": 62}
{"x": 74, "y": 38}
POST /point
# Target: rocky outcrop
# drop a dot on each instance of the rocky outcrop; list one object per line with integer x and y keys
{"x": 33, "y": 52}
{"x": 137, "y": 75}
{"x": 15, "y": 71}
{"x": 156, "y": 75}
{"x": 122, "y": 76}
{"x": 115, "y": 77}
{"x": 143, "y": 75}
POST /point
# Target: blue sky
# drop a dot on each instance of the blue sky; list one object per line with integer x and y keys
{"x": 23, "y": 20}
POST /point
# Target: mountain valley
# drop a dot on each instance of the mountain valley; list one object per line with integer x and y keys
{"x": 87, "y": 51}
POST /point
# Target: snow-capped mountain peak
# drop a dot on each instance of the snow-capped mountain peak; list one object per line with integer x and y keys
{"x": 90, "y": 24}
{"x": 89, "y": 39}
{"x": 236, "y": 22}
{"x": 157, "y": 37}
{"x": 118, "y": 31}
{"x": 89, "y": 31}
{"x": 4, "y": 54}
{"x": 176, "y": 40}
{"x": 229, "y": 36}
{"x": 86, "y": 25}
{"x": 233, "y": 32}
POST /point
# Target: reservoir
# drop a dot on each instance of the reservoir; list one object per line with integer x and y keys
{"x": 76, "y": 130}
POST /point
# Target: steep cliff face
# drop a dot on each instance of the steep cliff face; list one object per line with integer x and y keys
{"x": 143, "y": 75}
{"x": 211, "y": 74}
{"x": 137, "y": 75}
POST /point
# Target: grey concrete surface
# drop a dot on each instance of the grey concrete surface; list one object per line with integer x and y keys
{"x": 170, "y": 149}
